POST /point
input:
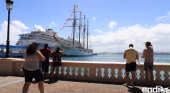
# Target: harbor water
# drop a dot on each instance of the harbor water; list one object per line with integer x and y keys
{"x": 116, "y": 58}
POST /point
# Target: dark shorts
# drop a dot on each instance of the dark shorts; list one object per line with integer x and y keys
{"x": 148, "y": 66}
{"x": 56, "y": 64}
{"x": 131, "y": 66}
{"x": 29, "y": 75}
{"x": 45, "y": 66}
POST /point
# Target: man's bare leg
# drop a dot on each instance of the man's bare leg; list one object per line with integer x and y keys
{"x": 26, "y": 87}
{"x": 146, "y": 78}
{"x": 152, "y": 78}
{"x": 41, "y": 86}
{"x": 133, "y": 77}
{"x": 127, "y": 79}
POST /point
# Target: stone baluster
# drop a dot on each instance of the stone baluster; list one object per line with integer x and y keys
{"x": 70, "y": 71}
{"x": 140, "y": 75}
{"x": 99, "y": 73}
{"x": 79, "y": 72}
{"x": 156, "y": 75}
{"x": 82, "y": 69}
{"x": 65, "y": 71}
{"x": 123, "y": 73}
{"x": 116, "y": 75}
{"x": 62, "y": 71}
{"x": 103, "y": 73}
{"x": 109, "y": 73}
{"x": 86, "y": 72}
{"x": 141, "y": 80}
{"x": 76, "y": 71}
{"x": 167, "y": 75}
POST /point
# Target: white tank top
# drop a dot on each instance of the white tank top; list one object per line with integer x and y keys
{"x": 31, "y": 62}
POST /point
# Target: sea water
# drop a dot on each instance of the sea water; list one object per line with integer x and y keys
{"x": 116, "y": 58}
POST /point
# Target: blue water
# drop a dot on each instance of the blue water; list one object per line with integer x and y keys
{"x": 116, "y": 58}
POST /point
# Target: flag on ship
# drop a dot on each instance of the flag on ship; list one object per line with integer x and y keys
{"x": 76, "y": 6}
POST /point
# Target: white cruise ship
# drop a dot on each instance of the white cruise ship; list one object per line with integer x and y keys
{"x": 70, "y": 45}
{"x": 43, "y": 37}
{"x": 47, "y": 37}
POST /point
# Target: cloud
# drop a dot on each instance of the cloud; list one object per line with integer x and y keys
{"x": 97, "y": 30}
{"x": 117, "y": 41}
{"x": 112, "y": 24}
{"x": 94, "y": 19}
{"x": 110, "y": 41}
{"x": 19, "y": 25}
{"x": 16, "y": 28}
{"x": 52, "y": 24}
{"x": 25, "y": 32}
{"x": 162, "y": 17}
{"x": 39, "y": 27}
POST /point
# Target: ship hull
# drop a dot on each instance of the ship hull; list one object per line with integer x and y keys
{"x": 71, "y": 51}
{"x": 17, "y": 51}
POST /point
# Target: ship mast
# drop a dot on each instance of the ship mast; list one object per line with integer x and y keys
{"x": 80, "y": 27}
{"x": 84, "y": 32}
{"x": 87, "y": 32}
{"x": 74, "y": 23}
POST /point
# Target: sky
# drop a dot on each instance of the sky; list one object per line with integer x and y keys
{"x": 113, "y": 24}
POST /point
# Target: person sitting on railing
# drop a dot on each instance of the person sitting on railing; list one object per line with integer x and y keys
{"x": 130, "y": 55}
{"x": 56, "y": 56}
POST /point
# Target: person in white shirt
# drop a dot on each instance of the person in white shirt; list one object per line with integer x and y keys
{"x": 31, "y": 67}
{"x": 130, "y": 55}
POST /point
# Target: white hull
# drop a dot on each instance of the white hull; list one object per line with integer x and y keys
{"x": 47, "y": 38}
{"x": 71, "y": 51}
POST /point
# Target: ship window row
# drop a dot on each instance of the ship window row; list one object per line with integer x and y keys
{"x": 46, "y": 36}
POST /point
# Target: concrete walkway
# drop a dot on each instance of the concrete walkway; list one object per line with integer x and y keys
{"x": 7, "y": 80}
{"x": 15, "y": 84}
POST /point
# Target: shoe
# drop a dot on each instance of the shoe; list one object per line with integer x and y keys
{"x": 132, "y": 84}
{"x": 126, "y": 84}
{"x": 51, "y": 79}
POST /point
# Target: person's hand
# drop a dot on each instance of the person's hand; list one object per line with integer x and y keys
{"x": 138, "y": 61}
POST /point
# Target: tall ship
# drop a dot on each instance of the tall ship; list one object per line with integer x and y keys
{"x": 71, "y": 45}
{"x": 80, "y": 46}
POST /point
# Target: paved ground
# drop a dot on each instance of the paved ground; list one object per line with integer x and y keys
{"x": 6, "y": 80}
{"x": 15, "y": 84}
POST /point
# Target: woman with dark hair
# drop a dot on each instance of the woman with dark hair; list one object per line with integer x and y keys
{"x": 56, "y": 56}
{"x": 31, "y": 67}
